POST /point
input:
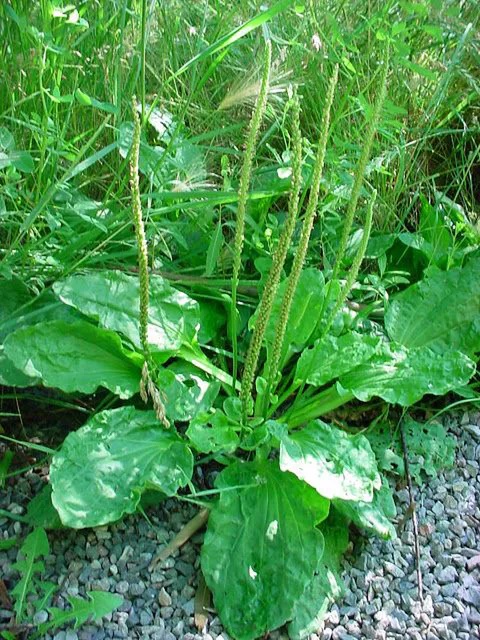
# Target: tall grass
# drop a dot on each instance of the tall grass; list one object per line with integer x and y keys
{"x": 66, "y": 82}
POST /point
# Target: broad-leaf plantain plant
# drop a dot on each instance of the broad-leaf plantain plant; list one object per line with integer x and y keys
{"x": 291, "y": 482}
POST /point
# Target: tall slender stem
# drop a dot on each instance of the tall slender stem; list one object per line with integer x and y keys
{"x": 251, "y": 141}
{"x": 273, "y": 279}
{"x": 298, "y": 262}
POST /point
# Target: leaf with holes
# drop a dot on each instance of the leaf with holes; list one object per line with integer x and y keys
{"x": 214, "y": 432}
{"x": 403, "y": 376}
{"x": 334, "y": 463}
{"x": 185, "y": 391}
{"x": 261, "y": 547}
{"x": 375, "y": 516}
{"x": 333, "y": 356}
{"x": 102, "y": 469}
{"x": 429, "y": 447}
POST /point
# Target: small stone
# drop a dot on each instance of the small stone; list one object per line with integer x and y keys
{"x": 136, "y": 589}
{"x": 473, "y": 563}
{"x": 473, "y": 430}
{"x": 447, "y": 575}
{"x": 473, "y": 616}
{"x": 71, "y": 635}
{"x": 146, "y": 618}
{"x": 164, "y": 598}
{"x": 189, "y": 607}
{"x": 333, "y": 617}
{"x": 438, "y": 509}
{"x": 122, "y": 587}
{"x": 339, "y": 632}
{"x": 393, "y": 570}
{"x": 184, "y": 568}
{"x": 449, "y": 590}
{"x": 470, "y": 595}
{"x": 450, "y": 503}
{"x": 442, "y": 609}
{"x": 40, "y": 617}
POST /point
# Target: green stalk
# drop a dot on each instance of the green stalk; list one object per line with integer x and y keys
{"x": 354, "y": 269}
{"x": 143, "y": 45}
{"x": 273, "y": 279}
{"x": 147, "y": 385}
{"x": 246, "y": 172}
{"x": 360, "y": 173}
{"x": 319, "y": 405}
{"x": 273, "y": 365}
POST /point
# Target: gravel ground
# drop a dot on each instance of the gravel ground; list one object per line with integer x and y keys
{"x": 381, "y": 601}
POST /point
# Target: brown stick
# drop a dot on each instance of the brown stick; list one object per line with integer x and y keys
{"x": 182, "y": 536}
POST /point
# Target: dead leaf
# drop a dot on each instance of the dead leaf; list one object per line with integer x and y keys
{"x": 4, "y": 599}
{"x": 203, "y": 599}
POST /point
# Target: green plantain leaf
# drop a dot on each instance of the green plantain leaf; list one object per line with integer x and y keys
{"x": 375, "y": 517}
{"x": 334, "y": 463}
{"x": 185, "y": 391}
{"x": 331, "y": 357}
{"x": 326, "y": 585}
{"x": 403, "y": 376}
{"x": 102, "y": 469}
{"x": 41, "y": 512}
{"x": 213, "y": 432}
{"x": 75, "y": 357}
{"x": 306, "y": 306}
{"x": 261, "y": 547}
{"x": 112, "y": 298}
{"x": 440, "y": 312}
{"x": 11, "y": 376}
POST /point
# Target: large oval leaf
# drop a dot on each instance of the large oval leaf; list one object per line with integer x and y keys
{"x": 102, "y": 469}
{"x": 75, "y": 357}
{"x": 441, "y": 312}
{"x": 333, "y": 356}
{"x": 334, "y": 463}
{"x": 112, "y": 298}
{"x": 403, "y": 376}
{"x": 261, "y": 546}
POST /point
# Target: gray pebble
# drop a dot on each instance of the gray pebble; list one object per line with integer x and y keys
{"x": 393, "y": 570}
{"x": 447, "y": 575}
{"x": 40, "y": 617}
{"x": 122, "y": 587}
